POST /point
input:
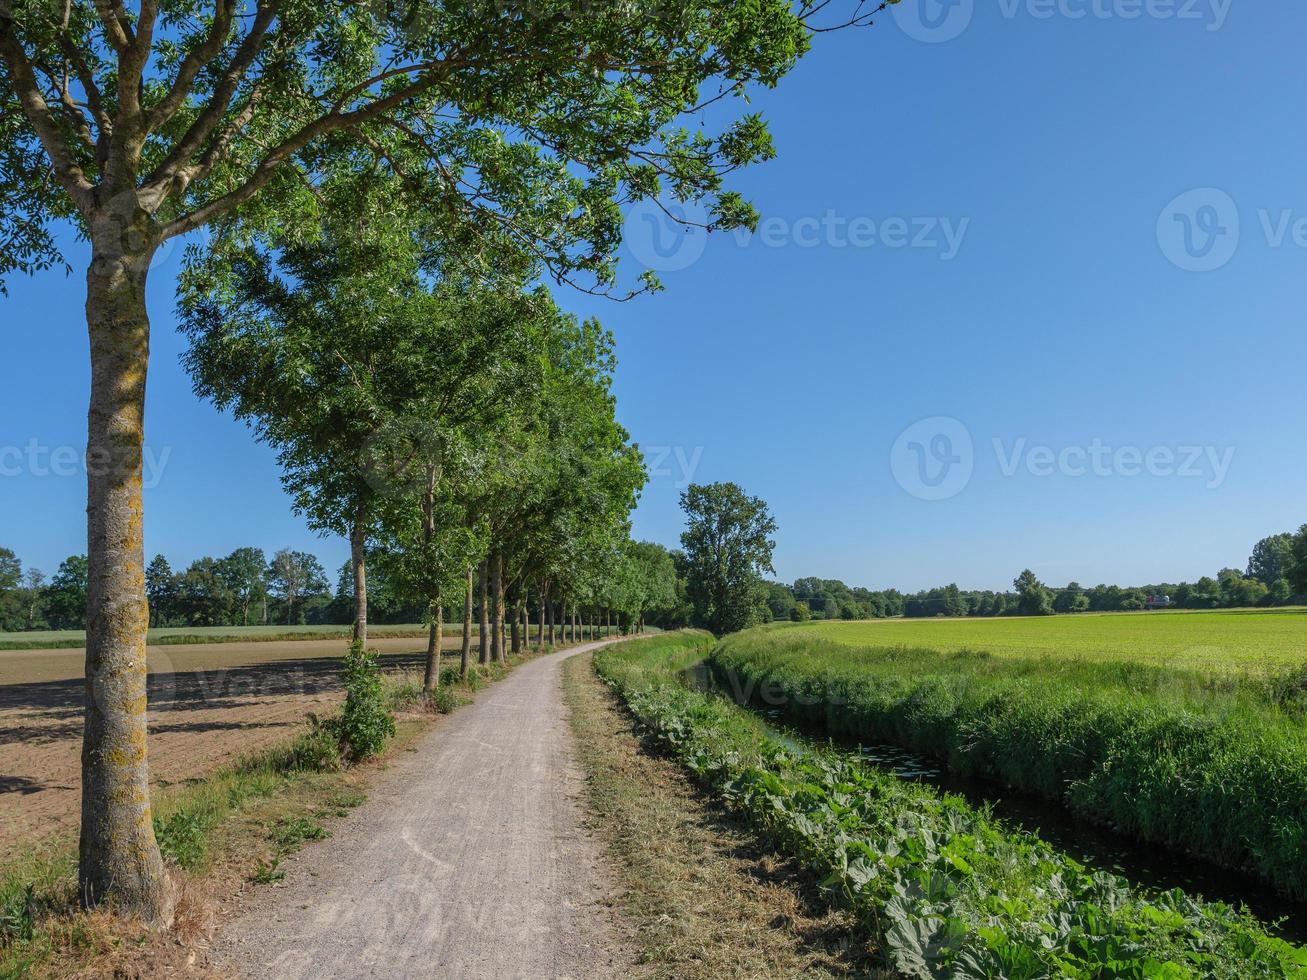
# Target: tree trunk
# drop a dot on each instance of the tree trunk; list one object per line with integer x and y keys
{"x": 497, "y": 608}
{"x": 483, "y": 624}
{"x": 434, "y": 642}
{"x": 543, "y": 601}
{"x": 514, "y": 623}
{"x": 358, "y": 540}
{"x": 119, "y": 857}
{"x": 553, "y": 613}
{"x": 465, "y": 657}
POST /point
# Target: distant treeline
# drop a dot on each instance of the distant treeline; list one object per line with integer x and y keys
{"x": 292, "y": 588}
{"x": 1276, "y": 575}
{"x": 246, "y": 588}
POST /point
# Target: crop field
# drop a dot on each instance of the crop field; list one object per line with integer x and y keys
{"x": 1136, "y": 723}
{"x": 941, "y": 887}
{"x": 209, "y": 703}
{"x": 1239, "y": 640}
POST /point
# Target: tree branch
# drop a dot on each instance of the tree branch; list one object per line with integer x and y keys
{"x": 207, "y": 121}
{"x": 331, "y": 122}
{"x": 38, "y": 113}
{"x": 191, "y": 66}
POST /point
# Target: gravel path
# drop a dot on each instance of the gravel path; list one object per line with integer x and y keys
{"x": 469, "y": 859}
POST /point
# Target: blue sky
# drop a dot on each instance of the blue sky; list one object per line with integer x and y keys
{"x": 1078, "y": 236}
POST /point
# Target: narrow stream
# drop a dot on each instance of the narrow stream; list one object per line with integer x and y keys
{"x": 1147, "y": 865}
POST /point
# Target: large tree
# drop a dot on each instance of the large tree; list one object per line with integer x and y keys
{"x": 1272, "y": 559}
{"x": 143, "y": 121}
{"x": 728, "y": 547}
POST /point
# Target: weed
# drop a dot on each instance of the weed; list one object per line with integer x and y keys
{"x": 181, "y": 838}
{"x": 290, "y": 833}
{"x": 445, "y": 699}
{"x": 267, "y": 872}
{"x": 318, "y": 749}
{"x": 18, "y": 914}
{"x": 404, "y": 695}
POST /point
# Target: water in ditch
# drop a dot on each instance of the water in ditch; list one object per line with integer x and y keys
{"x": 1148, "y": 865}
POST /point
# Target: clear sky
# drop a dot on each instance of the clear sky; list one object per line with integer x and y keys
{"x": 1029, "y": 292}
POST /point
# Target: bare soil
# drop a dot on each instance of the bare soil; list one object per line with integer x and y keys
{"x": 209, "y": 703}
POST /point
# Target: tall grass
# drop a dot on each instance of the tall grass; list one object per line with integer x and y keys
{"x": 1209, "y": 764}
{"x": 947, "y": 890}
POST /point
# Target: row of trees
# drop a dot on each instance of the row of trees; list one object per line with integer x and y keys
{"x": 647, "y": 585}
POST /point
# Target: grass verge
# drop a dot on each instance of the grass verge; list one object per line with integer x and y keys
{"x": 945, "y": 889}
{"x": 701, "y": 897}
{"x": 220, "y": 835}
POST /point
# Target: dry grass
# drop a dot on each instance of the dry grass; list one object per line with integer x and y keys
{"x": 702, "y": 897}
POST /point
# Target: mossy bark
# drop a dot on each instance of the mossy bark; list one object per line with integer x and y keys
{"x": 358, "y": 540}
{"x": 431, "y": 679}
{"x": 465, "y": 657}
{"x": 119, "y": 860}
{"x": 483, "y": 624}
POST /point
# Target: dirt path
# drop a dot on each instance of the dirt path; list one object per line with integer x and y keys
{"x": 469, "y": 860}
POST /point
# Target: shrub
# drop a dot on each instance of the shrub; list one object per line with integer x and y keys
{"x": 318, "y": 749}
{"x": 366, "y": 723}
{"x": 445, "y": 699}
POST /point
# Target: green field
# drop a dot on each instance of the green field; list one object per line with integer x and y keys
{"x": 1243, "y": 640}
{"x": 941, "y": 888}
{"x": 75, "y": 639}
{"x": 1188, "y": 730}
